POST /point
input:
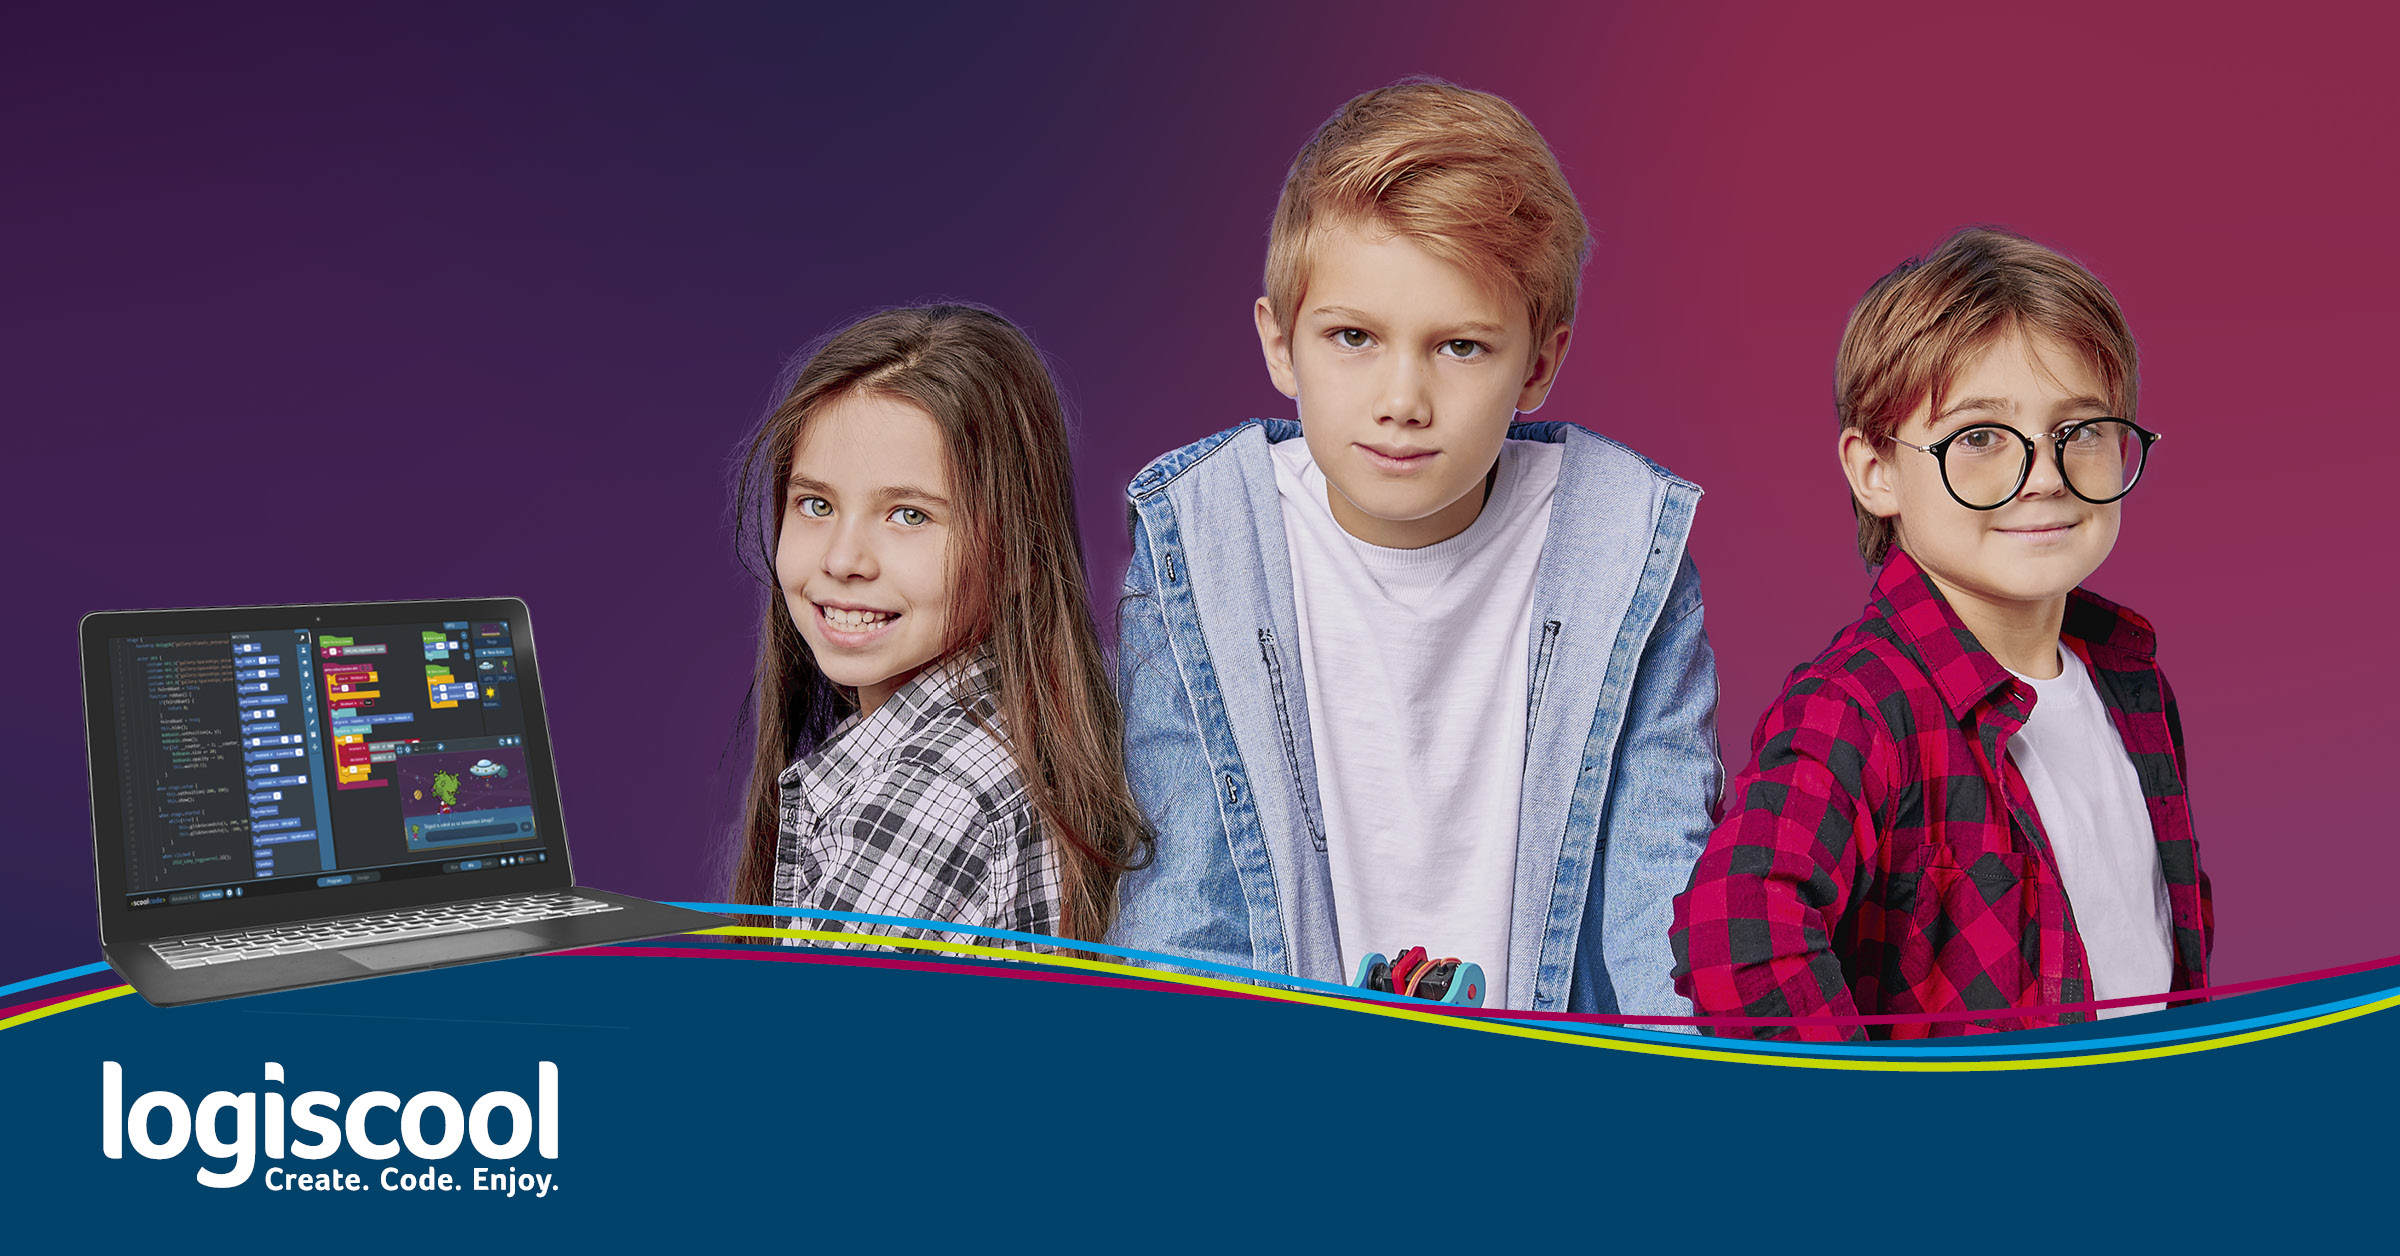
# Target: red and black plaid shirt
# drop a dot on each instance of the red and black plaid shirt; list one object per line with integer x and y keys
{"x": 1881, "y": 853}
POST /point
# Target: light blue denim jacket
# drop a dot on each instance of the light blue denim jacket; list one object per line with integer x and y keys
{"x": 1621, "y": 768}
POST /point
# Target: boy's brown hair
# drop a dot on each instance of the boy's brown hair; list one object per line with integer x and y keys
{"x": 1921, "y": 325}
{"x": 1460, "y": 173}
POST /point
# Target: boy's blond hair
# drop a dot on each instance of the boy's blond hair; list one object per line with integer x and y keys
{"x": 1459, "y": 173}
{"x": 1928, "y": 320}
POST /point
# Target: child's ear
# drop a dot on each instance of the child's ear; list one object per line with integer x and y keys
{"x": 1870, "y": 474}
{"x": 1542, "y": 372}
{"x": 1278, "y": 350}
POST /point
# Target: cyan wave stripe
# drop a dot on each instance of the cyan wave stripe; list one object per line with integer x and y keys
{"x": 1174, "y": 961}
{"x": 2083, "y": 1046}
{"x": 46, "y": 978}
{"x": 1625, "y": 1032}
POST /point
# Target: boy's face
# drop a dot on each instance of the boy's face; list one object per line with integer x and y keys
{"x": 863, "y": 554}
{"x": 2017, "y": 562}
{"x": 1408, "y": 371}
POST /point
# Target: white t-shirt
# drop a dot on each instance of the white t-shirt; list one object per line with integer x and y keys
{"x": 1415, "y": 668}
{"x": 2090, "y": 802}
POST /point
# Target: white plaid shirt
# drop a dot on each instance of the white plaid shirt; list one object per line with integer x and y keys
{"x": 918, "y": 810}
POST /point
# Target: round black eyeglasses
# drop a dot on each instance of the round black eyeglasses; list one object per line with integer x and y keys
{"x": 1985, "y": 465}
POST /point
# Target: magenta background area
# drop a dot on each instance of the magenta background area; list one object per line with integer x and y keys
{"x": 488, "y": 297}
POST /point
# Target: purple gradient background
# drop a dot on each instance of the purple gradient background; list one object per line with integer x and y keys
{"x": 564, "y": 252}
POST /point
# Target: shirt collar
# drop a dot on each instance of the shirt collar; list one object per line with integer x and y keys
{"x": 1963, "y": 671}
{"x": 2104, "y": 625}
{"x": 821, "y": 777}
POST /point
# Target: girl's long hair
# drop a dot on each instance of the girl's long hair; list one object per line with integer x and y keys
{"x": 1019, "y": 589}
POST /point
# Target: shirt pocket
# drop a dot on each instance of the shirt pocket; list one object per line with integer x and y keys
{"x": 1973, "y": 933}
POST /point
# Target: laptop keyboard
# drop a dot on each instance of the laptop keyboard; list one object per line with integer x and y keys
{"x": 332, "y": 935}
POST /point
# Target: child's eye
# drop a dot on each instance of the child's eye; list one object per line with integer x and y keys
{"x": 910, "y": 516}
{"x": 1352, "y": 338}
{"x": 1465, "y": 349}
{"x": 813, "y": 507}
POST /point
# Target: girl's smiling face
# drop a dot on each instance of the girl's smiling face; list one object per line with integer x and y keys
{"x": 863, "y": 554}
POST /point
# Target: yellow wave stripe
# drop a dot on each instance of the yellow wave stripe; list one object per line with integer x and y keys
{"x": 1397, "y": 1012}
{"x": 65, "y": 1005}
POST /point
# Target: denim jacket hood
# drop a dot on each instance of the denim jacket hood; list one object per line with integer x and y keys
{"x": 1621, "y": 768}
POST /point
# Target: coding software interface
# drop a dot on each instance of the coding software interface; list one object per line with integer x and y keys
{"x": 289, "y": 760}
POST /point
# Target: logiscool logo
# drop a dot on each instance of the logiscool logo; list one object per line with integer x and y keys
{"x": 313, "y": 1113}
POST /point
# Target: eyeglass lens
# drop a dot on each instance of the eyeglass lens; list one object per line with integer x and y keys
{"x": 1986, "y": 465}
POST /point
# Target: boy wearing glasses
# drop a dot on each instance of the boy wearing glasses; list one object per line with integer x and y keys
{"x": 1969, "y": 810}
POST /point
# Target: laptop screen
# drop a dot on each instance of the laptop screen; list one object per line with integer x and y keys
{"x": 304, "y": 760}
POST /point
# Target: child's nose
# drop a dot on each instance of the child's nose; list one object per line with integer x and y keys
{"x": 2042, "y": 478}
{"x": 1407, "y": 393}
{"x": 849, "y": 556}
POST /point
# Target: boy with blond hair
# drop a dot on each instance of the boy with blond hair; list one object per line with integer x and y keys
{"x": 1973, "y": 800}
{"x": 1408, "y": 672}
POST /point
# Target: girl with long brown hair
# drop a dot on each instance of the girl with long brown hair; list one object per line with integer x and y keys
{"x": 938, "y": 738}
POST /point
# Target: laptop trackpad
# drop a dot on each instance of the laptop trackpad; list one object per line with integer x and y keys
{"x": 443, "y": 950}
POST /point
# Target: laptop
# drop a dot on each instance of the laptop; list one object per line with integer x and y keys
{"x": 288, "y": 796}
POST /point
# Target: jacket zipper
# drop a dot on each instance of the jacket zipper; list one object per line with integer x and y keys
{"x": 1291, "y": 743}
{"x": 1541, "y": 677}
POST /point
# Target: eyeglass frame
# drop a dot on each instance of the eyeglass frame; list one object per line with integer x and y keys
{"x": 1940, "y": 450}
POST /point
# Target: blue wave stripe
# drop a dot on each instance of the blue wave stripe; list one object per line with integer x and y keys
{"x": 46, "y": 978}
{"x": 2081, "y": 1046}
{"x": 1623, "y": 1032}
{"x": 1152, "y": 957}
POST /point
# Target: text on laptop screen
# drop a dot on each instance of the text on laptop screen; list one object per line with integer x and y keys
{"x": 267, "y": 762}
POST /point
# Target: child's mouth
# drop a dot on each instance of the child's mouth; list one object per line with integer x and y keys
{"x": 847, "y": 621}
{"x": 1397, "y": 458}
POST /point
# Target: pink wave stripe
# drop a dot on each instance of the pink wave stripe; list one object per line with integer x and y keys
{"x": 2176, "y": 998}
{"x": 2173, "y": 998}
{"x": 1575, "y": 1017}
{"x": 1036, "y": 973}
{"x": 38, "y": 1004}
